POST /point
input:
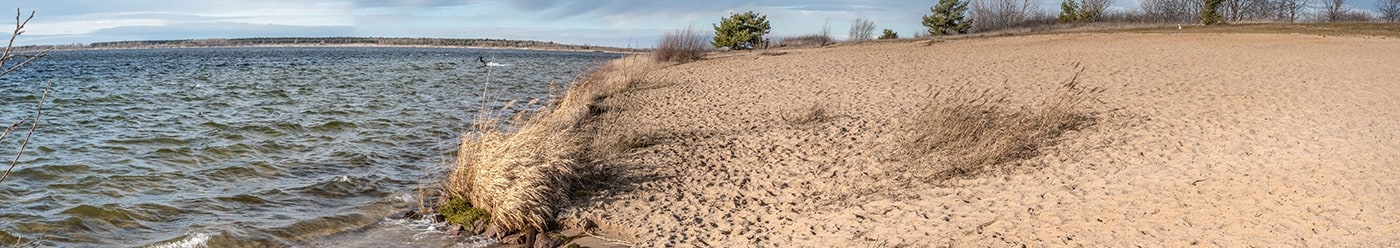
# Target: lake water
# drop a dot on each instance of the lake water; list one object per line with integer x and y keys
{"x": 250, "y": 146}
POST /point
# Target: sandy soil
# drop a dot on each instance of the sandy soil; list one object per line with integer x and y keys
{"x": 1200, "y": 139}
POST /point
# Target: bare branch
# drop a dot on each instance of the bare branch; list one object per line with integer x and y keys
{"x": 38, "y": 110}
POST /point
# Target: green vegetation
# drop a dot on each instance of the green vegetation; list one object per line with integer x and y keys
{"x": 1069, "y": 11}
{"x": 949, "y": 16}
{"x": 460, "y": 211}
{"x": 741, "y": 31}
{"x": 889, "y": 34}
{"x": 1210, "y": 14}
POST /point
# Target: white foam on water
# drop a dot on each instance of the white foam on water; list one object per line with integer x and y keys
{"x": 191, "y": 240}
{"x": 343, "y": 179}
{"x": 406, "y": 197}
{"x": 496, "y": 64}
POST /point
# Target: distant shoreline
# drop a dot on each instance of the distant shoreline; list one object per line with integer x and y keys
{"x": 334, "y": 42}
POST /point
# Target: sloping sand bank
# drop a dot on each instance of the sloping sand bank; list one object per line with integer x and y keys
{"x": 1205, "y": 139}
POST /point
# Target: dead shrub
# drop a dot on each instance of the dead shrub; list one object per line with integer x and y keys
{"x": 681, "y": 46}
{"x": 965, "y": 132}
{"x": 817, "y": 113}
{"x": 806, "y": 41}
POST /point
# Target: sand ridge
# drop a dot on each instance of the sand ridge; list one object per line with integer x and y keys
{"x": 1204, "y": 139}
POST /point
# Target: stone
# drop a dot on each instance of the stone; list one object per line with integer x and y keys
{"x": 412, "y": 215}
{"x": 493, "y": 231}
{"x": 515, "y": 239}
{"x": 479, "y": 226}
{"x": 439, "y": 218}
{"x": 454, "y": 230}
{"x": 545, "y": 241}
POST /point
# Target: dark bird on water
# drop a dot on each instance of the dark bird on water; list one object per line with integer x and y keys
{"x": 481, "y": 59}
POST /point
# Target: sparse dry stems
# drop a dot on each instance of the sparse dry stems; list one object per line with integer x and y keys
{"x": 967, "y": 132}
{"x": 681, "y": 46}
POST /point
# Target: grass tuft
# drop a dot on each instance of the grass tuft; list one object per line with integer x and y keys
{"x": 968, "y": 132}
{"x": 459, "y": 211}
{"x": 521, "y": 171}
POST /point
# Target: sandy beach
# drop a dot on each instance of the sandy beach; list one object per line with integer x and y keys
{"x": 1196, "y": 139}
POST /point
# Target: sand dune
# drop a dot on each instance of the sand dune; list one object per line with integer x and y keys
{"x": 1199, "y": 139}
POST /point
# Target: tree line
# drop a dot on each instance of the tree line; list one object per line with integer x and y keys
{"x": 748, "y": 30}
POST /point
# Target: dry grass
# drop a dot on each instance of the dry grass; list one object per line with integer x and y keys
{"x": 681, "y": 46}
{"x": 967, "y": 132}
{"x": 521, "y": 171}
{"x": 811, "y": 40}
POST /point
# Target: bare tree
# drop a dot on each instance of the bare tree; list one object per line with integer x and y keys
{"x": 1002, "y": 14}
{"x": 1334, "y": 10}
{"x": 1291, "y": 10}
{"x": 1091, "y": 10}
{"x": 1389, "y": 10}
{"x": 7, "y": 66}
{"x": 862, "y": 29}
{"x": 1172, "y": 10}
{"x": 1255, "y": 10}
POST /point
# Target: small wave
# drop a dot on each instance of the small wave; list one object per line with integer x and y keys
{"x": 189, "y": 240}
{"x": 494, "y": 64}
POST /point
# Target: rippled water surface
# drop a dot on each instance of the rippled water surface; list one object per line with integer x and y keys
{"x": 249, "y": 146}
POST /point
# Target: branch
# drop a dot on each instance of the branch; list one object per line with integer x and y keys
{"x": 8, "y": 54}
{"x": 38, "y": 110}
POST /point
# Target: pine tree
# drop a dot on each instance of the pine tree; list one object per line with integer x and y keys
{"x": 741, "y": 31}
{"x": 889, "y": 34}
{"x": 1069, "y": 11}
{"x": 948, "y": 18}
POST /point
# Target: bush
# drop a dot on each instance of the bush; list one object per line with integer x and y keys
{"x": 948, "y": 17}
{"x": 889, "y": 34}
{"x": 681, "y": 46}
{"x": 806, "y": 40}
{"x": 741, "y": 31}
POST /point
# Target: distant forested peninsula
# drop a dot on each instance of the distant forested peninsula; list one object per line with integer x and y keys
{"x": 331, "y": 41}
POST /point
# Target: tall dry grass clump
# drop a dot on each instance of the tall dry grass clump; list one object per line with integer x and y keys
{"x": 968, "y": 132}
{"x": 521, "y": 171}
{"x": 682, "y": 46}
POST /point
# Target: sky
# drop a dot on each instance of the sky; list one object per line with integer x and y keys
{"x": 619, "y": 23}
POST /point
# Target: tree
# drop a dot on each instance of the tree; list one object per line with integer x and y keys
{"x": 741, "y": 31}
{"x": 1290, "y": 10}
{"x": 1334, "y": 10}
{"x": 1174, "y": 10}
{"x": 1002, "y": 14}
{"x": 889, "y": 34}
{"x": 1069, "y": 11}
{"x": 948, "y": 18}
{"x": 862, "y": 29}
{"x": 1210, "y": 14}
{"x": 1389, "y": 10}
{"x": 1090, "y": 10}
